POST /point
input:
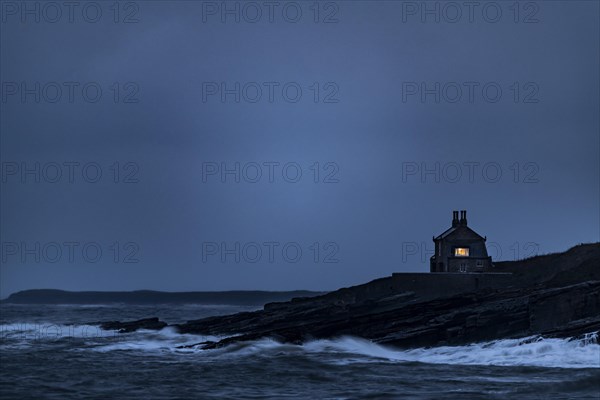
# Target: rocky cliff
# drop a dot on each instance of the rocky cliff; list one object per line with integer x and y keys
{"x": 554, "y": 295}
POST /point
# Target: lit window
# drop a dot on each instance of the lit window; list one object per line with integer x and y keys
{"x": 461, "y": 252}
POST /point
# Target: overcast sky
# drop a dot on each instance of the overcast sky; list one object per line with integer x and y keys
{"x": 293, "y": 146}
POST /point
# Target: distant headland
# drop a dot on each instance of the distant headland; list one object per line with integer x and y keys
{"x": 233, "y": 297}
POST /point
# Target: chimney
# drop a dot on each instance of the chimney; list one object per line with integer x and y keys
{"x": 454, "y": 219}
{"x": 463, "y": 217}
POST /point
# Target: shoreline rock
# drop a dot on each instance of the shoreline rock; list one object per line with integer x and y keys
{"x": 555, "y": 295}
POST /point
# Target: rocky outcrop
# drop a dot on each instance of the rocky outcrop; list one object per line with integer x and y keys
{"x": 456, "y": 320}
{"x": 531, "y": 302}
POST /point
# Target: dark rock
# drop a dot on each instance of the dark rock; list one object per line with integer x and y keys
{"x": 555, "y": 295}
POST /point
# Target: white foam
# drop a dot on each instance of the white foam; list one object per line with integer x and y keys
{"x": 560, "y": 353}
{"x": 166, "y": 339}
{"x": 50, "y": 331}
{"x": 532, "y": 351}
{"x": 538, "y": 352}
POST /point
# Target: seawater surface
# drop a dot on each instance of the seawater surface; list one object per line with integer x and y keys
{"x": 56, "y": 352}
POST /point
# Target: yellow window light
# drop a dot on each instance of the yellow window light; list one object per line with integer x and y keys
{"x": 461, "y": 252}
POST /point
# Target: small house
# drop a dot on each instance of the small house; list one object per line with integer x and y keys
{"x": 460, "y": 249}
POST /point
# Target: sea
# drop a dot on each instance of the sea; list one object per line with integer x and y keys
{"x": 57, "y": 352}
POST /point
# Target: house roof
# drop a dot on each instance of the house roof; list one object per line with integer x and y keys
{"x": 453, "y": 229}
{"x": 446, "y": 232}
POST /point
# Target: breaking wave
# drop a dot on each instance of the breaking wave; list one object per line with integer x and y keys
{"x": 582, "y": 352}
{"x": 532, "y": 351}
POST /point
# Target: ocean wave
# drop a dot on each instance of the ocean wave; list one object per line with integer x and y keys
{"x": 92, "y": 337}
{"x": 582, "y": 352}
{"x": 50, "y": 331}
{"x": 531, "y": 351}
{"x": 164, "y": 340}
